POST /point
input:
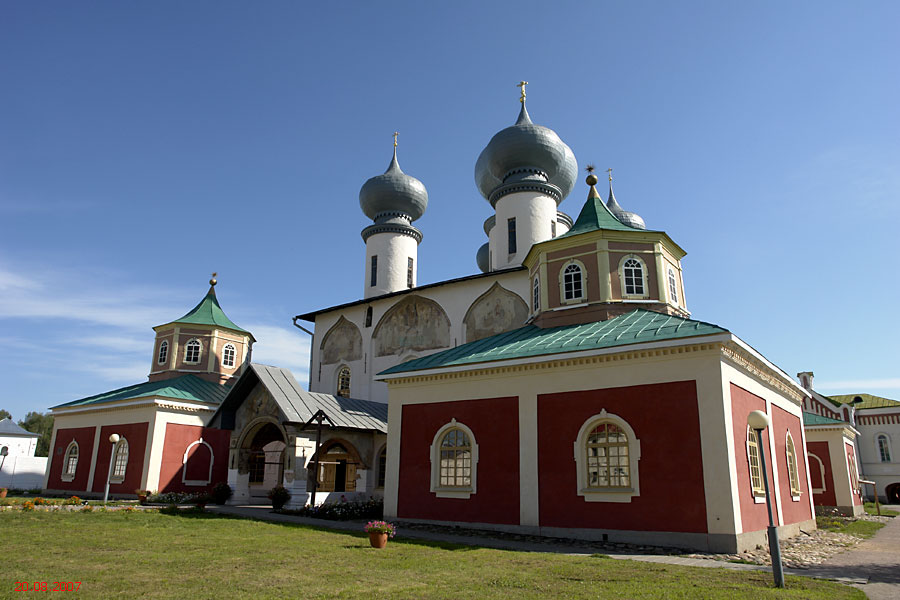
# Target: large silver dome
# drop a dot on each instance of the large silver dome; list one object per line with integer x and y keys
{"x": 482, "y": 258}
{"x": 629, "y": 218}
{"x": 393, "y": 192}
{"x": 522, "y": 153}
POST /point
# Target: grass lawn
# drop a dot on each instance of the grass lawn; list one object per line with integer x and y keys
{"x": 862, "y": 529}
{"x": 146, "y": 554}
{"x": 885, "y": 512}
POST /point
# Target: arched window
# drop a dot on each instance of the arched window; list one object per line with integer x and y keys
{"x": 756, "y": 481}
{"x": 120, "y": 461}
{"x": 382, "y": 466}
{"x": 228, "y": 355}
{"x": 573, "y": 282}
{"x": 454, "y": 461}
{"x": 192, "y": 351}
{"x": 673, "y": 286}
{"x": 854, "y": 474}
{"x": 163, "y": 352}
{"x": 793, "y": 471}
{"x": 633, "y": 277}
{"x": 884, "y": 448}
{"x": 70, "y": 464}
{"x": 536, "y": 294}
{"x": 607, "y": 452}
{"x": 343, "y": 382}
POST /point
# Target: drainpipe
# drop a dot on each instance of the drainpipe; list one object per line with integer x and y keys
{"x": 312, "y": 335}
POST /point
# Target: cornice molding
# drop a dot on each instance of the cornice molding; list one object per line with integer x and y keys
{"x": 742, "y": 359}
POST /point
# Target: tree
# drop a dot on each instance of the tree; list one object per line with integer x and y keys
{"x": 41, "y": 424}
{"x": 4, "y": 414}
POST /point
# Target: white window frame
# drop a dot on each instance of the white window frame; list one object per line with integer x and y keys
{"x": 184, "y": 459}
{"x": 382, "y": 471}
{"x": 115, "y": 476}
{"x": 452, "y": 492}
{"x": 821, "y": 475}
{"x": 759, "y": 494}
{"x": 796, "y": 492}
{"x": 65, "y": 474}
{"x": 634, "y": 456}
{"x": 187, "y": 347}
{"x": 536, "y": 294}
{"x": 163, "y": 354}
{"x": 644, "y": 283}
{"x": 673, "y": 286}
{"x": 562, "y": 283}
{"x": 887, "y": 443}
{"x": 225, "y": 355}
{"x": 337, "y": 383}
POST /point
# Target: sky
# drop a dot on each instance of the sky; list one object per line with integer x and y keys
{"x": 144, "y": 145}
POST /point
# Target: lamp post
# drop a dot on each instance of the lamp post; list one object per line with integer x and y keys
{"x": 114, "y": 439}
{"x": 758, "y": 420}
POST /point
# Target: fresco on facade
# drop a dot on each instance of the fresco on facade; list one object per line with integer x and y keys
{"x": 495, "y": 311}
{"x": 342, "y": 343}
{"x": 414, "y": 323}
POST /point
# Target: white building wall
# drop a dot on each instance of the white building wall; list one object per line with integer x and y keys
{"x": 534, "y": 214}
{"x": 393, "y": 251}
{"x": 23, "y": 472}
{"x": 19, "y": 446}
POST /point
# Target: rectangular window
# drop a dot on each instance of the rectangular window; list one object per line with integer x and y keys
{"x": 369, "y": 316}
{"x": 553, "y": 229}
{"x": 511, "y": 230}
{"x": 373, "y": 278}
{"x": 409, "y": 272}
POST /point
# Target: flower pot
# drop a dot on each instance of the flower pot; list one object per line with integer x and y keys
{"x": 142, "y": 498}
{"x": 3, "y": 493}
{"x": 378, "y": 540}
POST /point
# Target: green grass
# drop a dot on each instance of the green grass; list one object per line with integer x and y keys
{"x": 870, "y": 509}
{"x": 145, "y": 554}
{"x": 862, "y": 529}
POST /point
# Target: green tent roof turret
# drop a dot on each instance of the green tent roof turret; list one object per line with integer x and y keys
{"x": 594, "y": 214}
{"x": 208, "y": 312}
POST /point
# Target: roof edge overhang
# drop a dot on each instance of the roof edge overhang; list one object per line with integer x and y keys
{"x": 770, "y": 365}
{"x": 311, "y": 316}
{"x": 578, "y": 238}
{"x": 239, "y": 332}
{"x": 844, "y": 427}
{"x": 148, "y": 400}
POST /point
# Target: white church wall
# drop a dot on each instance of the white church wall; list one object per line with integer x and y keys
{"x": 534, "y": 214}
{"x": 22, "y": 472}
{"x": 18, "y": 445}
{"x": 392, "y": 251}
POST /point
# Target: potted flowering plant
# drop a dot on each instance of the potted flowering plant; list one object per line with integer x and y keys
{"x": 379, "y": 532}
{"x": 3, "y": 492}
{"x": 142, "y": 495}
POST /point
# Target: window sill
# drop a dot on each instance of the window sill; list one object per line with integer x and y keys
{"x": 567, "y": 304}
{"x": 67, "y": 478}
{"x": 115, "y": 479}
{"x": 795, "y": 498}
{"x": 759, "y": 499}
{"x": 195, "y": 482}
{"x": 608, "y": 494}
{"x": 463, "y": 493}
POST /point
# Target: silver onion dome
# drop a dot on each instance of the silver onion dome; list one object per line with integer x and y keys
{"x": 628, "y": 218}
{"x": 525, "y": 156}
{"x": 394, "y": 192}
{"x": 482, "y": 258}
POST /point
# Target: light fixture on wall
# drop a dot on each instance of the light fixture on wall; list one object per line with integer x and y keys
{"x": 758, "y": 420}
{"x": 114, "y": 439}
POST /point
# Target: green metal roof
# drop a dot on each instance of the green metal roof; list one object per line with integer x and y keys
{"x": 208, "y": 312}
{"x": 186, "y": 387}
{"x": 638, "y": 326}
{"x": 594, "y": 215}
{"x": 814, "y": 419}
{"x": 869, "y": 401}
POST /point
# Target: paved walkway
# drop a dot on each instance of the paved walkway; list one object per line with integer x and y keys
{"x": 873, "y": 566}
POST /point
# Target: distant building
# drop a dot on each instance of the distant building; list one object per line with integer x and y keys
{"x": 19, "y": 467}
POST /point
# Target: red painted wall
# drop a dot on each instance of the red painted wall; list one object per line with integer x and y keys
{"x": 495, "y": 425}
{"x": 793, "y": 511}
{"x": 178, "y": 438}
{"x": 136, "y": 434}
{"x": 820, "y": 449}
{"x": 754, "y": 516}
{"x": 851, "y": 459}
{"x": 672, "y": 494}
{"x": 84, "y": 436}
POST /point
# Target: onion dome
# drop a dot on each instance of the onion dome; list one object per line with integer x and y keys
{"x": 525, "y": 157}
{"x": 628, "y": 218}
{"x": 394, "y": 193}
{"x": 482, "y": 258}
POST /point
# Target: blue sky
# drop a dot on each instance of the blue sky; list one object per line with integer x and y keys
{"x": 144, "y": 145}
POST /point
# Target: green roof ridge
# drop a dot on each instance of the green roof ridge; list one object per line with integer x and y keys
{"x": 595, "y": 215}
{"x": 635, "y": 327}
{"x": 869, "y": 401}
{"x": 184, "y": 387}
{"x": 814, "y": 419}
{"x": 208, "y": 312}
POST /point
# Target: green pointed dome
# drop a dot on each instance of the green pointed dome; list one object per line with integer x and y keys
{"x": 208, "y": 312}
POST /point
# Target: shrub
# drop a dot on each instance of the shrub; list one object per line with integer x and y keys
{"x": 72, "y": 500}
{"x": 172, "y": 498}
{"x": 87, "y": 508}
{"x": 201, "y": 500}
{"x": 221, "y": 493}
{"x": 28, "y": 506}
{"x": 279, "y": 496}
{"x": 171, "y": 509}
{"x": 342, "y": 511}
{"x": 35, "y": 491}
{"x": 40, "y": 501}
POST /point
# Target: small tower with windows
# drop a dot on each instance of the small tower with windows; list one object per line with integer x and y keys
{"x": 393, "y": 200}
{"x": 204, "y": 342}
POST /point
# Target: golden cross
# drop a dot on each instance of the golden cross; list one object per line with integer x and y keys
{"x": 609, "y": 170}
{"x": 522, "y": 85}
{"x": 396, "y": 133}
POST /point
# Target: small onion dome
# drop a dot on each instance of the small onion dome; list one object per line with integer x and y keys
{"x": 524, "y": 157}
{"x": 393, "y": 192}
{"x": 628, "y": 218}
{"x": 482, "y": 258}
